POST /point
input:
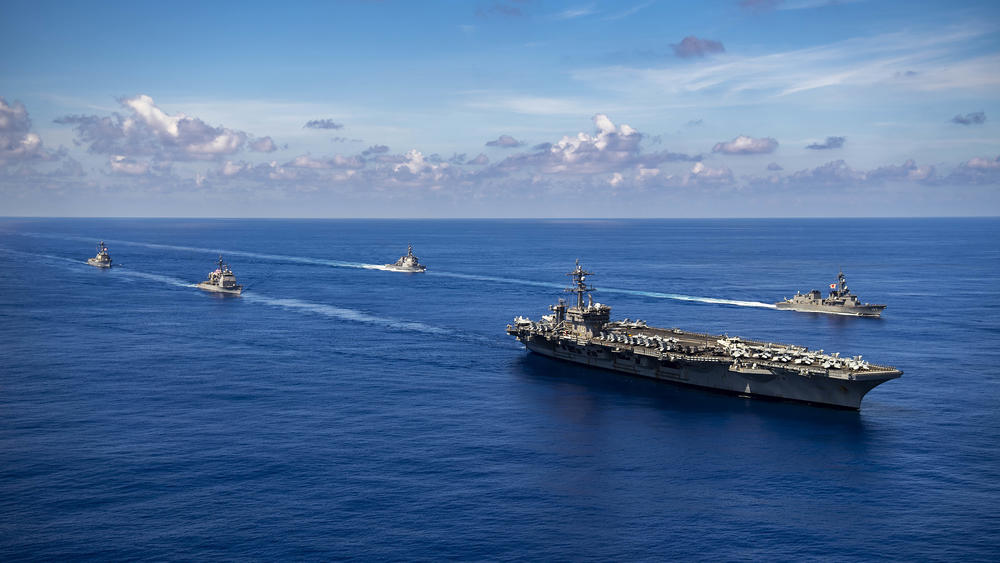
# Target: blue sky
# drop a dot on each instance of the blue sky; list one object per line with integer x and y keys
{"x": 649, "y": 108}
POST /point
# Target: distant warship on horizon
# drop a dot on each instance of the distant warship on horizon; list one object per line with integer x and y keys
{"x": 840, "y": 302}
{"x": 584, "y": 334}
{"x": 103, "y": 259}
{"x": 222, "y": 280}
{"x": 408, "y": 263}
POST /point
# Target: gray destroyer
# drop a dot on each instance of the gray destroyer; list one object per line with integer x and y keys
{"x": 585, "y": 334}
{"x": 103, "y": 259}
{"x": 840, "y": 302}
{"x": 222, "y": 280}
{"x": 408, "y": 263}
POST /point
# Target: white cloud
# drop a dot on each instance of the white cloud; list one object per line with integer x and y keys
{"x": 150, "y": 131}
{"x": 983, "y": 163}
{"x": 17, "y": 142}
{"x": 121, "y": 164}
{"x": 747, "y": 145}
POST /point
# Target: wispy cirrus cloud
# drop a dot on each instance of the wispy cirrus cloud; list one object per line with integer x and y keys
{"x": 531, "y": 105}
{"x": 930, "y": 60}
{"x": 574, "y": 12}
{"x": 629, "y": 11}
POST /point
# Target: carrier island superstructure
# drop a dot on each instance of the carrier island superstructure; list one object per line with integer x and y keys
{"x": 585, "y": 334}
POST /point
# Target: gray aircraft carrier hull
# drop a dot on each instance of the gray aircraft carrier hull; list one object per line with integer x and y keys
{"x": 788, "y": 385}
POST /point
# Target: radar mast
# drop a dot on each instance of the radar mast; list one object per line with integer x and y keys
{"x": 579, "y": 276}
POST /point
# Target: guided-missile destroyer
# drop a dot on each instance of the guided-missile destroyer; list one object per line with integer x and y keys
{"x": 408, "y": 263}
{"x": 103, "y": 259}
{"x": 222, "y": 280}
{"x": 840, "y": 302}
{"x": 585, "y": 334}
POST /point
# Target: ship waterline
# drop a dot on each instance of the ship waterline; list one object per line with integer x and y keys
{"x": 585, "y": 335}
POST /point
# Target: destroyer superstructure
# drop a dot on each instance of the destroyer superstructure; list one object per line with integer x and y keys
{"x": 222, "y": 280}
{"x": 408, "y": 263}
{"x": 585, "y": 334}
{"x": 840, "y": 301}
{"x": 103, "y": 259}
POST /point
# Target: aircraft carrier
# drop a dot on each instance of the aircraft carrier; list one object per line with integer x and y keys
{"x": 585, "y": 334}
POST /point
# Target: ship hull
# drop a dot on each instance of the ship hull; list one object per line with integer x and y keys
{"x": 786, "y": 385}
{"x": 98, "y": 263}
{"x": 217, "y": 289}
{"x": 874, "y": 311}
{"x": 395, "y": 268}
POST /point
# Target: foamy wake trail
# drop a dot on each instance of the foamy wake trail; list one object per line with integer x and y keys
{"x": 45, "y": 256}
{"x": 680, "y": 297}
{"x": 658, "y": 295}
{"x": 260, "y": 255}
{"x": 363, "y": 266}
{"x": 288, "y": 304}
{"x": 342, "y": 313}
{"x": 154, "y": 277}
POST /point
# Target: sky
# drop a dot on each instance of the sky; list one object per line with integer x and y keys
{"x": 509, "y": 108}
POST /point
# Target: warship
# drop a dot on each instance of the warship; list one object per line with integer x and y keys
{"x": 103, "y": 259}
{"x": 408, "y": 263}
{"x": 840, "y": 302}
{"x": 222, "y": 280}
{"x": 584, "y": 334}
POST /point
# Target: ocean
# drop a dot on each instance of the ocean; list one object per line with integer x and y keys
{"x": 337, "y": 410}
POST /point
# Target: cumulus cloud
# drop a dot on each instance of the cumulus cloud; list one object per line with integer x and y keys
{"x": 974, "y": 118}
{"x": 701, "y": 173}
{"x": 375, "y": 149}
{"x": 149, "y": 131}
{"x": 830, "y": 143}
{"x": 692, "y": 46}
{"x": 505, "y": 141}
{"x": 326, "y": 163}
{"x": 609, "y": 149}
{"x": 907, "y": 171}
{"x": 747, "y": 145}
{"x": 830, "y": 174}
{"x": 128, "y": 166}
{"x": 17, "y": 142}
{"x": 263, "y": 144}
{"x": 480, "y": 160}
{"x": 322, "y": 124}
{"x": 983, "y": 163}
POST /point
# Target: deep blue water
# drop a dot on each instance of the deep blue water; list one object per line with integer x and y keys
{"x": 339, "y": 411}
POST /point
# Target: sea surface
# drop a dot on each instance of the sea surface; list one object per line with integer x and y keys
{"x": 337, "y": 410}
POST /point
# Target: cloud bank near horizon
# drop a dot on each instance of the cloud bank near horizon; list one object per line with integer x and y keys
{"x": 166, "y": 152}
